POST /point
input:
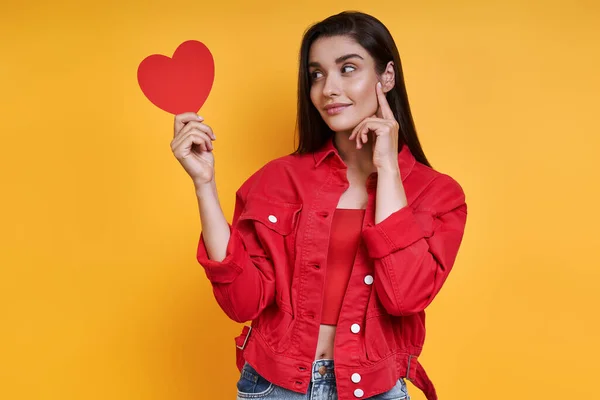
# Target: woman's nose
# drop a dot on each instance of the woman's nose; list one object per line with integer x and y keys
{"x": 331, "y": 87}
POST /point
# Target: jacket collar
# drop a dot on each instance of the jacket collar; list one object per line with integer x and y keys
{"x": 406, "y": 161}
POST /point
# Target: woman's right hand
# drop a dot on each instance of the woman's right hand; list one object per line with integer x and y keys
{"x": 192, "y": 146}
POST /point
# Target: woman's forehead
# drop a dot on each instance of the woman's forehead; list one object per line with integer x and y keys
{"x": 328, "y": 49}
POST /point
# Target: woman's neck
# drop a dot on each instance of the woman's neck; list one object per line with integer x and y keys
{"x": 361, "y": 159}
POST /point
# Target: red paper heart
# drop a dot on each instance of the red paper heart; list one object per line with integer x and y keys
{"x": 181, "y": 83}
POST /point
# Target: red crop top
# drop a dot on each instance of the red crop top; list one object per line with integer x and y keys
{"x": 343, "y": 245}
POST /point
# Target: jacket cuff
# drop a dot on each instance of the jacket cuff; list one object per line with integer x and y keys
{"x": 230, "y": 267}
{"x": 398, "y": 231}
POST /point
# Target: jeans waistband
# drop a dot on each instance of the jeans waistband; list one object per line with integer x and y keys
{"x": 323, "y": 370}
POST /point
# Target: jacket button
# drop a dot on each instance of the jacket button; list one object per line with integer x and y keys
{"x": 322, "y": 370}
{"x": 272, "y": 218}
{"x": 369, "y": 280}
{"x": 355, "y": 328}
{"x": 356, "y": 377}
{"x": 359, "y": 393}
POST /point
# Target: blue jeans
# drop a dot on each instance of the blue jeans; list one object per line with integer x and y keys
{"x": 322, "y": 387}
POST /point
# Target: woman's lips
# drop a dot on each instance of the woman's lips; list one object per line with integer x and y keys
{"x": 337, "y": 110}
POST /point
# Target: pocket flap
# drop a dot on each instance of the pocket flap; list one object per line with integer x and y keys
{"x": 280, "y": 217}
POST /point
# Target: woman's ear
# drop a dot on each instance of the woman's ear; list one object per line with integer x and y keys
{"x": 388, "y": 78}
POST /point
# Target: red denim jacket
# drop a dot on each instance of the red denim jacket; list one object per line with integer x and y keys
{"x": 274, "y": 271}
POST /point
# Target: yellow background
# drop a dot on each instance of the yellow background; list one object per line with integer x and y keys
{"x": 100, "y": 293}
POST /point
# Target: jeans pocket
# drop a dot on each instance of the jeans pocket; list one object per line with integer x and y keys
{"x": 398, "y": 392}
{"x": 251, "y": 385}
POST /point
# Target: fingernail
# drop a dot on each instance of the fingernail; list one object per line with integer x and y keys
{"x": 379, "y": 84}
{"x": 199, "y": 117}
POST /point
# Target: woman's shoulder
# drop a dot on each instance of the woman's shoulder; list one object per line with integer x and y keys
{"x": 437, "y": 190}
{"x": 276, "y": 174}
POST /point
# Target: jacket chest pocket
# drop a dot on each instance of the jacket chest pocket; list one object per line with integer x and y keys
{"x": 273, "y": 227}
{"x": 278, "y": 217}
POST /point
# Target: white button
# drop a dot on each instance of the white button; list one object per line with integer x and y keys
{"x": 369, "y": 280}
{"x": 355, "y": 328}
{"x": 355, "y": 377}
{"x": 359, "y": 393}
{"x": 272, "y": 218}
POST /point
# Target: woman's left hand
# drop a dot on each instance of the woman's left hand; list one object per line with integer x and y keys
{"x": 385, "y": 134}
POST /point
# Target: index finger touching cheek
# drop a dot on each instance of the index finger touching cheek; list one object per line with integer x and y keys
{"x": 386, "y": 111}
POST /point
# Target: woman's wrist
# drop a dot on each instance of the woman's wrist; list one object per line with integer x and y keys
{"x": 205, "y": 189}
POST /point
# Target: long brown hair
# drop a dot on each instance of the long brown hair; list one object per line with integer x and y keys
{"x": 375, "y": 38}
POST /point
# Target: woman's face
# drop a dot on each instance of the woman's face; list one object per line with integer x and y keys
{"x": 342, "y": 71}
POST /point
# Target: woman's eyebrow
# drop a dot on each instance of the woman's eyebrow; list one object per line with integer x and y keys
{"x": 337, "y": 60}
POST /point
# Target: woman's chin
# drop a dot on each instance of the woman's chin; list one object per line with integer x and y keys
{"x": 341, "y": 127}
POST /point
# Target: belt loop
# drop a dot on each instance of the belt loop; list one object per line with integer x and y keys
{"x": 245, "y": 331}
{"x": 408, "y": 368}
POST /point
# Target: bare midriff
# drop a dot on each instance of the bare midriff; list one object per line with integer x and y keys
{"x": 325, "y": 342}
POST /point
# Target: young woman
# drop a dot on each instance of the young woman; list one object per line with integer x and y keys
{"x": 335, "y": 250}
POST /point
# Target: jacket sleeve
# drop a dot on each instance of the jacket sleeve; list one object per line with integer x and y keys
{"x": 244, "y": 281}
{"x": 413, "y": 250}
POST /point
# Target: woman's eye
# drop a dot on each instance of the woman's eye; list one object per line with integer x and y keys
{"x": 315, "y": 74}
